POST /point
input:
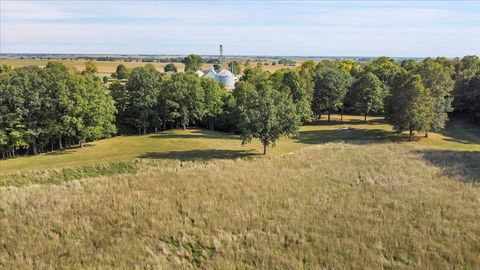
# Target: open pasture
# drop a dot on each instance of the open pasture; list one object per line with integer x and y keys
{"x": 200, "y": 144}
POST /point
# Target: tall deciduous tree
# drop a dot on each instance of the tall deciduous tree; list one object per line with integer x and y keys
{"x": 143, "y": 87}
{"x": 290, "y": 82}
{"x": 386, "y": 69}
{"x": 265, "y": 113}
{"x": 410, "y": 105}
{"x": 121, "y": 72}
{"x": 367, "y": 94}
{"x": 170, "y": 68}
{"x": 437, "y": 79}
{"x": 213, "y": 100}
{"x": 331, "y": 86}
{"x": 189, "y": 98}
{"x": 193, "y": 62}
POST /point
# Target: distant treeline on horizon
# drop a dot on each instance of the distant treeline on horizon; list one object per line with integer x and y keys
{"x": 177, "y": 58}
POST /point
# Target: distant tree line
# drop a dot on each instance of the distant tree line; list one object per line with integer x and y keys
{"x": 286, "y": 62}
{"x": 42, "y": 109}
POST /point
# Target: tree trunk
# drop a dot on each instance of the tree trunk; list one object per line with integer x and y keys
{"x": 211, "y": 125}
{"x": 139, "y": 133}
{"x": 365, "y": 119}
{"x": 60, "y": 146}
{"x": 410, "y": 136}
{"x": 341, "y": 117}
{"x": 164, "y": 125}
{"x": 156, "y": 129}
{"x": 265, "y": 148}
{"x": 51, "y": 145}
{"x": 144, "y": 130}
{"x": 329, "y": 117}
{"x": 81, "y": 144}
{"x": 426, "y": 134}
{"x": 34, "y": 149}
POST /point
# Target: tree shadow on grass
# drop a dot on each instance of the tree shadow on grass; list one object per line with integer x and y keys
{"x": 460, "y": 131}
{"x": 194, "y": 134}
{"x": 461, "y": 164}
{"x": 198, "y": 154}
{"x": 353, "y": 122}
{"x": 351, "y": 135}
{"x": 68, "y": 151}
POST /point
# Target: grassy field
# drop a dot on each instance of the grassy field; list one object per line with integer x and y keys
{"x": 108, "y": 67}
{"x": 203, "y": 144}
{"x": 182, "y": 199}
{"x": 331, "y": 206}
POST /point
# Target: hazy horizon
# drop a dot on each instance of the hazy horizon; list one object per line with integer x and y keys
{"x": 252, "y": 28}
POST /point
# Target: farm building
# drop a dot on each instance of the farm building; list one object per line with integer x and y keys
{"x": 223, "y": 76}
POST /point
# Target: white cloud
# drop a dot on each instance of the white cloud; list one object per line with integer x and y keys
{"x": 251, "y": 28}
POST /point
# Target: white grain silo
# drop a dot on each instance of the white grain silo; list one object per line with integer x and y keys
{"x": 227, "y": 78}
{"x": 211, "y": 74}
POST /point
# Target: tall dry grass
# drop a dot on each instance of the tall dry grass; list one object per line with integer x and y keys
{"x": 342, "y": 206}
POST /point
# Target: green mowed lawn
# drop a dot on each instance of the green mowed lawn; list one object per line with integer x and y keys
{"x": 194, "y": 144}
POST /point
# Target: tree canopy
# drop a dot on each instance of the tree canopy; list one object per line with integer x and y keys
{"x": 265, "y": 113}
{"x": 170, "y": 68}
{"x": 367, "y": 95}
{"x": 410, "y": 104}
{"x": 193, "y": 62}
{"x": 331, "y": 86}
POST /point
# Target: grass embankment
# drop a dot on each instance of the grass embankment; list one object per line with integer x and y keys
{"x": 203, "y": 144}
{"x": 336, "y": 205}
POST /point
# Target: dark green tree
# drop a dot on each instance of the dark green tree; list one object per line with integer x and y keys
{"x": 437, "y": 78}
{"x": 367, "y": 95}
{"x": 331, "y": 85}
{"x": 170, "y": 68}
{"x": 213, "y": 101}
{"x": 290, "y": 82}
{"x": 143, "y": 88}
{"x": 410, "y": 105}
{"x": 188, "y": 95}
{"x": 385, "y": 68}
{"x": 265, "y": 113}
{"x": 193, "y": 62}
{"x": 121, "y": 72}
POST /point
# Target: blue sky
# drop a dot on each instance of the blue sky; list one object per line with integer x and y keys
{"x": 344, "y": 28}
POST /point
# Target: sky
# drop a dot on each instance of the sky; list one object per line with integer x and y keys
{"x": 295, "y": 28}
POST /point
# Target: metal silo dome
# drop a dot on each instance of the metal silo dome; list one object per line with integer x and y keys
{"x": 227, "y": 78}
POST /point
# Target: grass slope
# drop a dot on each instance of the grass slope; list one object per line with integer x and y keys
{"x": 333, "y": 206}
{"x": 203, "y": 144}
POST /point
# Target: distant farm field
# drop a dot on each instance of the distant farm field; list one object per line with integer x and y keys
{"x": 107, "y": 67}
